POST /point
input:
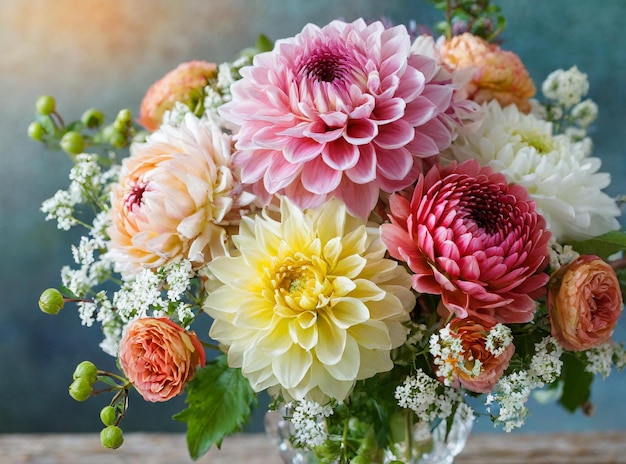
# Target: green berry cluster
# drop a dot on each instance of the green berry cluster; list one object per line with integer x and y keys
{"x": 90, "y": 131}
{"x": 85, "y": 376}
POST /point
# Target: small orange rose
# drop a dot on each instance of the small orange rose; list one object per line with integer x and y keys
{"x": 182, "y": 84}
{"x": 159, "y": 357}
{"x": 498, "y": 74}
{"x": 584, "y": 303}
{"x": 481, "y": 365}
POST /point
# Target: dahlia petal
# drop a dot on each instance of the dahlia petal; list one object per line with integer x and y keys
{"x": 346, "y": 312}
{"x": 419, "y": 111}
{"x": 395, "y": 135}
{"x": 360, "y": 131}
{"x": 394, "y": 164}
{"x": 301, "y": 150}
{"x": 319, "y": 178}
{"x": 332, "y": 341}
{"x": 340, "y": 155}
{"x": 411, "y": 85}
{"x": 347, "y": 366}
{"x": 360, "y": 199}
{"x": 373, "y": 335}
{"x": 388, "y": 110}
{"x": 334, "y": 119}
{"x": 364, "y": 171}
{"x": 422, "y": 145}
{"x": 280, "y": 174}
{"x": 291, "y": 367}
{"x": 253, "y": 164}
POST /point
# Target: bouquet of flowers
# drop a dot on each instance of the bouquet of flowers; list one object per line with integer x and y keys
{"x": 387, "y": 230}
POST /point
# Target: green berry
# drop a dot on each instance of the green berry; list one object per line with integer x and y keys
{"x": 36, "y": 131}
{"x": 73, "y": 143}
{"x": 92, "y": 118}
{"x": 80, "y": 389}
{"x": 86, "y": 370}
{"x": 108, "y": 415}
{"x": 45, "y": 105}
{"x": 123, "y": 116}
{"x": 112, "y": 437}
{"x": 51, "y": 301}
{"x": 117, "y": 139}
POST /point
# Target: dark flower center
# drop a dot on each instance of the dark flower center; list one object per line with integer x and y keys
{"x": 135, "y": 196}
{"x": 326, "y": 62}
{"x": 489, "y": 211}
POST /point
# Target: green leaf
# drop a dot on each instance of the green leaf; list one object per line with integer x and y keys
{"x": 264, "y": 44}
{"x": 603, "y": 245}
{"x": 576, "y": 383}
{"x": 220, "y": 402}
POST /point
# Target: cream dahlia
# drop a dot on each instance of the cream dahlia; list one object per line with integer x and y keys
{"x": 345, "y": 110}
{"x": 311, "y": 304}
{"x": 176, "y": 195}
{"x": 474, "y": 239}
{"x": 558, "y": 173}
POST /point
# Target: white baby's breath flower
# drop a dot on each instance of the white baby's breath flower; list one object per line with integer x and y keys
{"x": 87, "y": 311}
{"x": 511, "y": 394}
{"x": 584, "y": 113}
{"x": 135, "y": 298}
{"x": 422, "y": 394}
{"x": 600, "y": 359}
{"x": 447, "y": 351}
{"x": 309, "y": 427}
{"x": 177, "y": 276}
{"x": 560, "y": 255}
{"x": 566, "y": 87}
{"x": 546, "y": 364}
{"x": 498, "y": 339}
{"x": 60, "y": 207}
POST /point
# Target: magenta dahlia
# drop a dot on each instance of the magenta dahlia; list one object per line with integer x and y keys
{"x": 472, "y": 238}
{"x": 345, "y": 110}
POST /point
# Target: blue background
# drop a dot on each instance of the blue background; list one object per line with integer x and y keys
{"x": 105, "y": 54}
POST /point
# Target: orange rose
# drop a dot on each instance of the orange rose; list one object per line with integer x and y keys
{"x": 159, "y": 357}
{"x": 481, "y": 365}
{"x": 183, "y": 84}
{"x": 584, "y": 303}
{"x": 498, "y": 74}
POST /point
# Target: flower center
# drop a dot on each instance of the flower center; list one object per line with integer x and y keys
{"x": 489, "y": 211}
{"x": 134, "y": 197}
{"x": 535, "y": 139}
{"x": 300, "y": 285}
{"x": 326, "y": 62}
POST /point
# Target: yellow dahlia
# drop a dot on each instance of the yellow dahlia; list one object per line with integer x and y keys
{"x": 311, "y": 304}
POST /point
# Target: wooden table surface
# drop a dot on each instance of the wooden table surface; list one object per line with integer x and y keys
{"x": 140, "y": 448}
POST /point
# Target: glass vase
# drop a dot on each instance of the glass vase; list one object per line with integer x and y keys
{"x": 429, "y": 443}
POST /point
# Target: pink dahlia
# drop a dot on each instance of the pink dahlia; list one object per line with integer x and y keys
{"x": 345, "y": 110}
{"x": 472, "y": 238}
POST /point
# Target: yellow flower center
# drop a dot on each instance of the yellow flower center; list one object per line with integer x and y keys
{"x": 300, "y": 284}
{"x": 535, "y": 139}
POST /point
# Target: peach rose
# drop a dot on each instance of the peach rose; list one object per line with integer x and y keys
{"x": 498, "y": 74}
{"x": 183, "y": 84}
{"x": 176, "y": 199}
{"x": 159, "y": 357}
{"x": 480, "y": 369}
{"x": 584, "y": 303}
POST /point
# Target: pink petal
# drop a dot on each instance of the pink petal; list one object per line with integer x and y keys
{"x": 319, "y": 178}
{"x": 360, "y": 199}
{"x": 395, "y": 135}
{"x": 364, "y": 170}
{"x": 387, "y": 111}
{"x": 360, "y": 131}
{"x": 394, "y": 164}
{"x": 280, "y": 173}
{"x": 301, "y": 150}
{"x": 340, "y": 155}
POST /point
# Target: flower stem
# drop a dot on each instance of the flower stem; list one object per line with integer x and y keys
{"x": 408, "y": 434}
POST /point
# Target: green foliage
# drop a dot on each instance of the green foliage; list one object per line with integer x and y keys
{"x": 603, "y": 245}
{"x": 220, "y": 402}
{"x": 479, "y": 17}
{"x": 576, "y": 383}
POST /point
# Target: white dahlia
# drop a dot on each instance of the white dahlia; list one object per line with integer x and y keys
{"x": 558, "y": 173}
